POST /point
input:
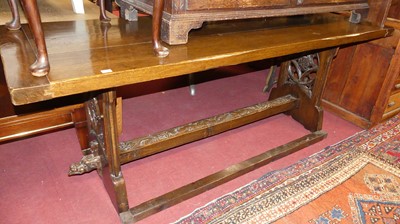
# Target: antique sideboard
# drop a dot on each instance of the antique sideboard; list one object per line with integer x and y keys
{"x": 180, "y": 16}
{"x": 95, "y": 60}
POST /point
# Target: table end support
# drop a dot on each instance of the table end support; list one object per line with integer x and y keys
{"x": 305, "y": 78}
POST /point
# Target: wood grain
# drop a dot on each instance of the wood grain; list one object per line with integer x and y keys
{"x": 362, "y": 82}
{"x": 79, "y": 51}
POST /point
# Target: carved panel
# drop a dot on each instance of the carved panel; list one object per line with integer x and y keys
{"x": 96, "y": 157}
{"x": 207, "y": 123}
{"x": 302, "y": 71}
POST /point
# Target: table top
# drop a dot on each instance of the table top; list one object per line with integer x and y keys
{"x": 88, "y": 56}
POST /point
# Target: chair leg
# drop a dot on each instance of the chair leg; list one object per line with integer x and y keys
{"x": 41, "y": 66}
{"x": 15, "y": 23}
{"x": 103, "y": 16}
{"x": 158, "y": 8}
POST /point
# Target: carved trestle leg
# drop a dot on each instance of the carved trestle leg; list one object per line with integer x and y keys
{"x": 41, "y": 66}
{"x": 305, "y": 78}
{"x": 112, "y": 175}
{"x": 103, "y": 153}
{"x": 15, "y": 23}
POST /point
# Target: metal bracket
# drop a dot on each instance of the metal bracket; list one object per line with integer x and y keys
{"x": 355, "y": 17}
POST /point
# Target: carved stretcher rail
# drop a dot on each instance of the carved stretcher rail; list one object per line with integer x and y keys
{"x": 161, "y": 141}
{"x": 158, "y": 142}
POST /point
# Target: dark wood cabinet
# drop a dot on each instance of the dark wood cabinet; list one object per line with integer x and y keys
{"x": 394, "y": 11}
{"x": 364, "y": 82}
{"x": 180, "y": 16}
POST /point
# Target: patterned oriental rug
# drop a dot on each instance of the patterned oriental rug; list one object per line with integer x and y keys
{"x": 354, "y": 181}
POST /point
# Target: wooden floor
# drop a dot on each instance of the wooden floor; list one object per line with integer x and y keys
{"x": 55, "y": 10}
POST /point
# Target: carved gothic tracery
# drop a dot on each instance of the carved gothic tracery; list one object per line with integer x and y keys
{"x": 302, "y": 71}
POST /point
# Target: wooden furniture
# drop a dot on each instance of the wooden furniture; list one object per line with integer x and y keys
{"x": 28, "y": 120}
{"x": 41, "y": 118}
{"x": 180, "y": 16}
{"x": 367, "y": 102}
{"x": 15, "y": 126}
{"x": 33, "y": 119}
{"x": 96, "y": 60}
{"x": 41, "y": 65}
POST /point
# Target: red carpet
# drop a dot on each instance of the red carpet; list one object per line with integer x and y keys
{"x": 354, "y": 181}
{"x": 35, "y": 188}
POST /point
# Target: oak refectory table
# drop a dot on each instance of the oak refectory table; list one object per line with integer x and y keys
{"x": 94, "y": 58}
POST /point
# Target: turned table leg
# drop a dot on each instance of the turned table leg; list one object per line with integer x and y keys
{"x": 158, "y": 8}
{"x": 41, "y": 66}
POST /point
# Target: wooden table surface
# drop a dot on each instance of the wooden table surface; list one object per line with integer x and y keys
{"x": 81, "y": 52}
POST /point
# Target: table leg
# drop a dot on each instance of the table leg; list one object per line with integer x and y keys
{"x": 103, "y": 147}
{"x": 112, "y": 174}
{"x": 41, "y": 66}
{"x": 158, "y": 8}
{"x": 107, "y": 140}
{"x": 305, "y": 78}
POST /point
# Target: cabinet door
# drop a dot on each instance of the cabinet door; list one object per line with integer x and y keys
{"x": 394, "y": 11}
{"x": 356, "y": 78}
